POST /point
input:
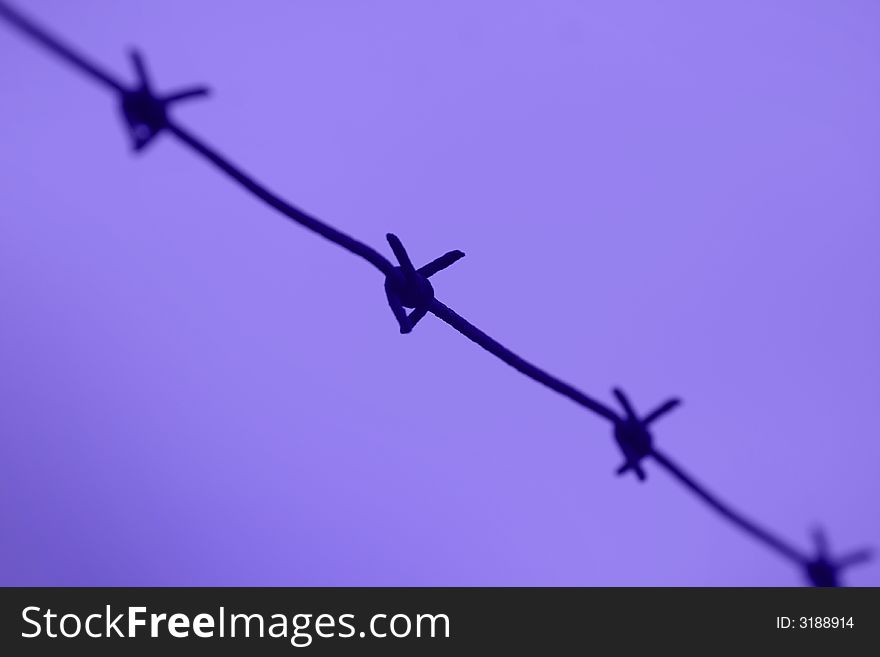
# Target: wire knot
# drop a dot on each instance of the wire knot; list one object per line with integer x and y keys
{"x": 823, "y": 569}
{"x": 632, "y": 433}
{"x": 408, "y": 287}
{"x": 145, "y": 112}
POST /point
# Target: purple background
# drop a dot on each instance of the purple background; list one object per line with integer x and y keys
{"x": 196, "y": 392}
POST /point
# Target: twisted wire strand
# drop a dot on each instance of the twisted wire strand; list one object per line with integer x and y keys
{"x": 54, "y": 44}
{"x": 326, "y": 231}
{"x": 518, "y": 363}
{"x": 756, "y": 531}
{"x": 630, "y": 432}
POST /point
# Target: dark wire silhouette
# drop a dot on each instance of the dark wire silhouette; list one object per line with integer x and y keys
{"x": 369, "y": 254}
{"x": 823, "y": 569}
{"x": 743, "y": 523}
{"x": 146, "y": 115}
{"x": 408, "y": 287}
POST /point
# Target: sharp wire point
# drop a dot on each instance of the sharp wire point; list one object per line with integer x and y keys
{"x": 417, "y": 314}
{"x": 661, "y": 410}
{"x": 187, "y": 94}
{"x": 624, "y": 401}
{"x": 855, "y": 558}
{"x": 402, "y": 256}
{"x": 140, "y": 68}
{"x": 441, "y": 263}
{"x": 410, "y": 285}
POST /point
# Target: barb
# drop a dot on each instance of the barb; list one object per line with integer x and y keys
{"x": 145, "y": 112}
{"x": 632, "y": 434}
{"x": 824, "y": 570}
{"x": 146, "y": 116}
{"x": 408, "y": 287}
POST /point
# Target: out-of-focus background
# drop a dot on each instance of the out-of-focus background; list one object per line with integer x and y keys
{"x": 680, "y": 198}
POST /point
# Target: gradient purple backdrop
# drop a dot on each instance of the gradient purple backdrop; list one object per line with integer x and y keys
{"x": 196, "y": 392}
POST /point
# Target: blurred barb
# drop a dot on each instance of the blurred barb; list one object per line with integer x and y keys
{"x": 735, "y": 517}
{"x": 146, "y": 115}
{"x": 54, "y": 44}
{"x": 824, "y": 570}
{"x": 632, "y": 435}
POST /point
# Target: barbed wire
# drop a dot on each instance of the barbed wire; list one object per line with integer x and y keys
{"x": 411, "y": 297}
